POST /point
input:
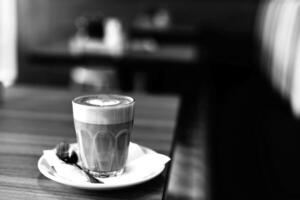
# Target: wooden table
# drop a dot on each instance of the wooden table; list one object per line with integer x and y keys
{"x": 34, "y": 119}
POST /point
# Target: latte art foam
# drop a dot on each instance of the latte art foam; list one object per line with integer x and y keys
{"x": 103, "y": 109}
{"x": 102, "y": 102}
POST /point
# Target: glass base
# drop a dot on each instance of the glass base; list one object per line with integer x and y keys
{"x": 106, "y": 174}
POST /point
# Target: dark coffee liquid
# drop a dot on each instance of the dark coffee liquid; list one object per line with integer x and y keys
{"x": 103, "y": 148}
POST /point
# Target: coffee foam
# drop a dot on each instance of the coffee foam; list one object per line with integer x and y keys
{"x": 100, "y": 102}
{"x": 103, "y": 109}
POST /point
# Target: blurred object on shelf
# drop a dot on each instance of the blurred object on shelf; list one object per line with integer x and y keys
{"x": 158, "y": 24}
{"x": 147, "y": 45}
{"x": 115, "y": 36}
{"x": 91, "y": 26}
{"x": 154, "y": 18}
{"x": 98, "y": 35}
{"x": 175, "y": 34}
{"x": 96, "y": 79}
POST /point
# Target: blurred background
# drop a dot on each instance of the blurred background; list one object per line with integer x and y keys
{"x": 225, "y": 52}
{"x": 201, "y": 33}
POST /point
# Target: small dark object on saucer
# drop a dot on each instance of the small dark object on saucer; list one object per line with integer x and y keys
{"x": 63, "y": 153}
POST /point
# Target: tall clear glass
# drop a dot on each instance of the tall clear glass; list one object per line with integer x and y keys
{"x": 103, "y": 125}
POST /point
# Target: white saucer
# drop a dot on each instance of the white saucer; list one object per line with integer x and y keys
{"x": 135, "y": 172}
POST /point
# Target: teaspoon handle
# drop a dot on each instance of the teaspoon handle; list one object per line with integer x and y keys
{"x": 91, "y": 177}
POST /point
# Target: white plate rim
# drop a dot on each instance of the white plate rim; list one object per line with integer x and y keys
{"x": 97, "y": 186}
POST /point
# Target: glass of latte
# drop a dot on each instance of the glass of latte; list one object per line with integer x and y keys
{"x": 103, "y": 125}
